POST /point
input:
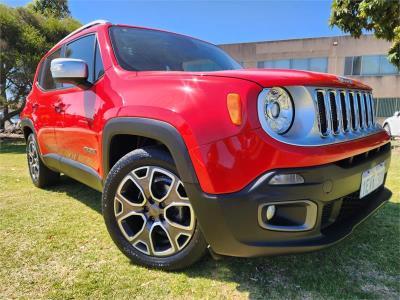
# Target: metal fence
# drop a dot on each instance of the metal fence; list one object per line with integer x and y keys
{"x": 385, "y": 107}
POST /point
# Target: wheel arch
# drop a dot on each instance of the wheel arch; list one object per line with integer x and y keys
{"x": 27, "y": 127}
{"x": 160, "y": 131}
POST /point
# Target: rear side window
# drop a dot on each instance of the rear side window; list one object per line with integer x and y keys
{"x": 46, "y": 81}
{"x": 98, "y": 65}
{"x": 83, "y": 48}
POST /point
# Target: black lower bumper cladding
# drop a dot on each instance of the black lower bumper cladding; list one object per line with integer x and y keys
{"x": 230, "y": 221}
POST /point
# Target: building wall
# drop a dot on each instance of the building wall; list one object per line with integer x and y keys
{"x": 334, "y": 48}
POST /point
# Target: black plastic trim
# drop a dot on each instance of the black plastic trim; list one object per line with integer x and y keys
{"x": 161, "y": 131}
{"x": 74, "y": 169}
{"x": 25, "y": 122}
{"x": 230, "y": 221}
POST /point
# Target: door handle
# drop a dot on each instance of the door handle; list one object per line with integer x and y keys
{"x": 59, "y": 107}
{"x": 35, "y": 106}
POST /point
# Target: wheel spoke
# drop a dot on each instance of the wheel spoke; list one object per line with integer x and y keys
{"x": 126, "y": 208}
{"x": 143, "y": 237}
{"x": 175, "y": 232}
{"x": 143, "y": 181}
{"x": 174, "y": 196}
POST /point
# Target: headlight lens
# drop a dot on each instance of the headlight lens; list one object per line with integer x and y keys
{"x": 278, "y": 110}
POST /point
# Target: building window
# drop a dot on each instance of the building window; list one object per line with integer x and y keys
{"x": 369, "y": 65}
{"x": 317, "y": 64}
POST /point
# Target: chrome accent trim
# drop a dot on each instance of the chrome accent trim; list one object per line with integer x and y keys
{"x": 309, "y": 223}
{"x": 86, "y": 26}
{"x": 305, "y": 130}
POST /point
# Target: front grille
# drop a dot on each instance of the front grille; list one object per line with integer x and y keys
{"x": 343, "y": 110}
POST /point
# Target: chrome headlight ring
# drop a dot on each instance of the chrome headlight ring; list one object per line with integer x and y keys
{"x": 278, "y": 110}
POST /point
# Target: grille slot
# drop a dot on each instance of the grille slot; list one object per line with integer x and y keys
{"x": 323, "y": 124}
{"x": 352, "y": 111}
{"x": 335, "y": 119}
{"x": 343, "y": 111}
{"x": 371, "y": 105}
{"x": 367, "y": 111}
{"x": 360, "y": 111}
{"x": 343, "y": 107}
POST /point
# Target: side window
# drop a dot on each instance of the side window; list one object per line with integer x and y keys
{"x": 98, "y": 64}
{"x": 83, "y": 48}
{"x": 45, "y": 79}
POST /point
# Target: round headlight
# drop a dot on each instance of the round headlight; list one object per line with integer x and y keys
{"x": 278, "y": 110}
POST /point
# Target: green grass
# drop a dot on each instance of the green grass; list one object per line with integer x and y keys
{"x": 54, "y": 244}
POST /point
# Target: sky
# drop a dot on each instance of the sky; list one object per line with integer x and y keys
{"x": 219, "y": 22}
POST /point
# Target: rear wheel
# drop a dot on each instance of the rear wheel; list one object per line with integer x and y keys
{"x": 41, "y": 175}
{"x": 148, "y": 214}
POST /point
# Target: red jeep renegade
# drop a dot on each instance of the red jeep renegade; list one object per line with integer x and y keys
{"x": 191, "y": 151}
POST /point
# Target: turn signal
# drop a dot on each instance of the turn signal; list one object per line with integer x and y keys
{"x": 234, "y": 108}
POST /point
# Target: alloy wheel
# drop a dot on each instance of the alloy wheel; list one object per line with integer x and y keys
{"x": 33, "y": 160}
{"x": 153, "y": 211}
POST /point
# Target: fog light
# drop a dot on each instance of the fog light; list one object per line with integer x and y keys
{"x": 270, "y": 212}
{"x": 286, "y": 179}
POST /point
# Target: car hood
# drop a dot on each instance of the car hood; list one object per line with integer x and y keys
{"x": 284, "y": 77}
{"x": 274, "y": 77}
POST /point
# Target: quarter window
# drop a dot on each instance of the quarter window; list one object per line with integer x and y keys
{"x": 46, "y": 81}
{"x": 98, "y": 65}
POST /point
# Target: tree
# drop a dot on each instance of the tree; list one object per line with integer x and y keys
{"x": 379, "y": 16}
{"x": 55, "y": 8}
{"x": 25, "y": 36}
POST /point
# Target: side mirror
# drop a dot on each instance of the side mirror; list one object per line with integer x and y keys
{"x": 397, "y": 114}
{"x": 69, "y": 70}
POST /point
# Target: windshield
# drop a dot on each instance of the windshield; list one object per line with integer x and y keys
{"x": 151, "y": 50}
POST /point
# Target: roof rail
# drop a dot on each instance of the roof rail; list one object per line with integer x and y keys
{"x": 86, "y": 26}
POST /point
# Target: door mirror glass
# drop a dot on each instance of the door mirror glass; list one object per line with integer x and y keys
{"x": 69, "y": 70}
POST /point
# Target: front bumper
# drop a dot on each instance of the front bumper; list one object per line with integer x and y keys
{"x": 230, "y": 221}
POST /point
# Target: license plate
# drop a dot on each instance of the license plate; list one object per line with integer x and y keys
{"x": 372, "y": 179}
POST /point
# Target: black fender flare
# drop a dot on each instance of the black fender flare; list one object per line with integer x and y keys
{"x": 25, "y": 122}
{"x": 158, "y": 130}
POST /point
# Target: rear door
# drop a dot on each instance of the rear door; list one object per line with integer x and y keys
{"x": 44, "y": 107}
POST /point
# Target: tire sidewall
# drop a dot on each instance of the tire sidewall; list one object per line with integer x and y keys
{"x": 31, "y": 138}
{"x": 135, "y": 159}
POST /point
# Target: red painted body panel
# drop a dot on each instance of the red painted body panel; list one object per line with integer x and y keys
{"x": 230, "y": 164}
{"x": 226, "y": 157}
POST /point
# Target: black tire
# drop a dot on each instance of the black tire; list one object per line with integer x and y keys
{"x": 193, "y": 250}
{"x": 42, "y": 176}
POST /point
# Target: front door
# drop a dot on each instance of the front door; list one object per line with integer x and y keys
{"x": 79, "y": 137}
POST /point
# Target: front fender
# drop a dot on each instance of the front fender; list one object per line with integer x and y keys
{"x": 154, "y": 129}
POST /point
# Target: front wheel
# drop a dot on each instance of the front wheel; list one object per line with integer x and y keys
{"x": 148, "y": 213}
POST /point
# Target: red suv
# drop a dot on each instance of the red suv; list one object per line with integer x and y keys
{"x": 193, "y": 152}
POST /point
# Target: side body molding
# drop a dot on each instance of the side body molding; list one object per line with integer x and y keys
{"x": 154, "y": 129}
